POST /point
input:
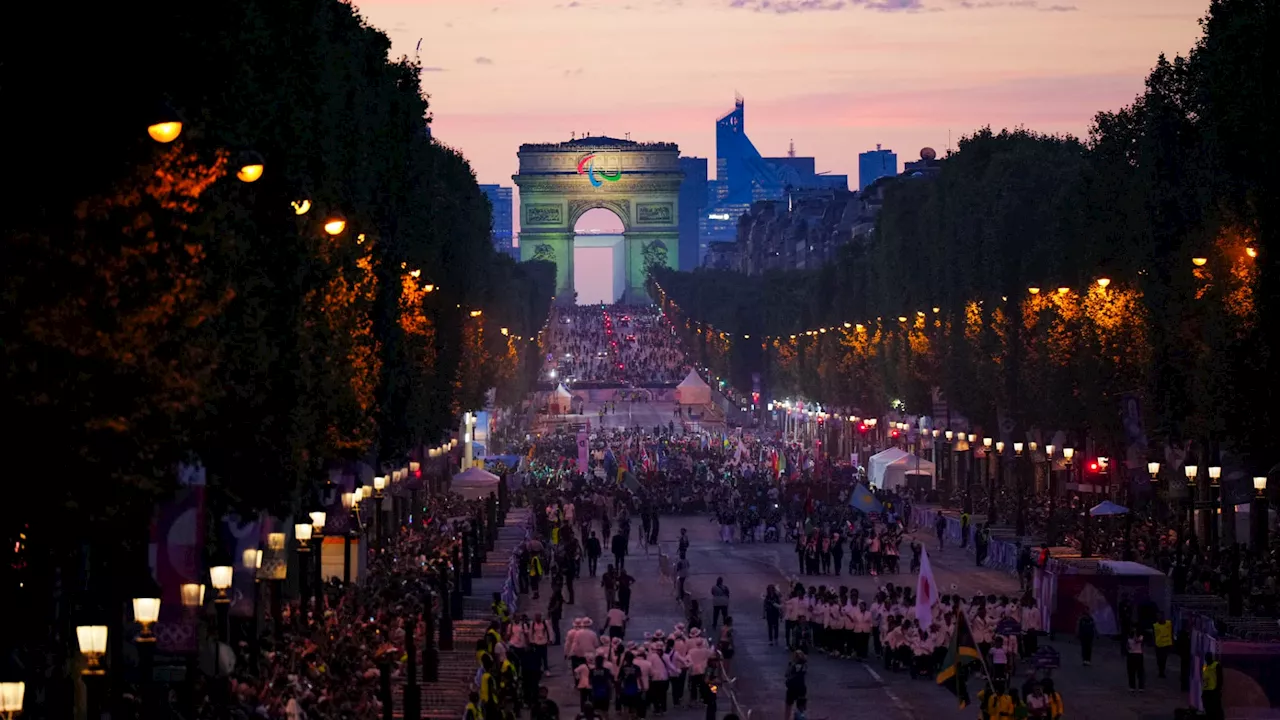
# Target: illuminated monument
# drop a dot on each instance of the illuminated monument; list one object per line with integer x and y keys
{"x": 639, "y": 182}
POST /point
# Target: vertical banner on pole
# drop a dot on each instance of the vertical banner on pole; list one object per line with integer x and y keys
{"x": 178, "y": 550}
{"x": 582, "y": 452}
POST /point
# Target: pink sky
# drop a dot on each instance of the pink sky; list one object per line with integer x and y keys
{"x": 836, "y": 76}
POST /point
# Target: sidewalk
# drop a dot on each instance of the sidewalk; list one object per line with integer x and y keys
{"x": 446, "y": 698}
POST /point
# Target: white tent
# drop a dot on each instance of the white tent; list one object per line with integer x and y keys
{"x": 560, "y": 401}
{"x": 888, "y": 469}
{"x": 474, "y": 483}
{"x": 693, "y": 390}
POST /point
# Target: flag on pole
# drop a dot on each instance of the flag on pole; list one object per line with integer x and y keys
{"x": 926, "y": 591}
{"x": 962, "y": 653}
{"x": 864, "y": 501}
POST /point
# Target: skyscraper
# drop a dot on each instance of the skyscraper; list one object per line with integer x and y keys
{"x": 503, "y": 227}
{"x": 693, "y": 200}
{"x": 874, "y": 165}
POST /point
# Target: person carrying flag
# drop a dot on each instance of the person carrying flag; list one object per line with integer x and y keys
{"x": 963, "y": 652}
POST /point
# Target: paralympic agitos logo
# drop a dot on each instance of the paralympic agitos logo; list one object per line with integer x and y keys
{"x": 610, "y": 169}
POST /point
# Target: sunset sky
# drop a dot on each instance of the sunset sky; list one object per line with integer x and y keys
{"x": 837, "y": 77}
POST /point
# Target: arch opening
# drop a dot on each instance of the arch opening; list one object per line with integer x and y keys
{"x": 599, "y": 257}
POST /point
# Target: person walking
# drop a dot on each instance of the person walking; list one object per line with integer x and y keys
{"x": 772, "y": 612}
{"x": 618, "y": 546}
{"x": 719, "y": 602}
{"x": 1134, "y": 661}
{"x": 1086, "y": 631}
{"x": 797, "y": 688}
{"x": 1163, "y": 631}
{"x": 593, "y": 553}
{"x": 1211, "y": 687}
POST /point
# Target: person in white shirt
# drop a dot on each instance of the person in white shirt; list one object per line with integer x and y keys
{"x": 699, "y": 654}
{"x": 677, "y": 669}
{"x": 861, "y": 630}
{"x": 583, "y": 644}
{"x": 659, "y": 679}
{"x": 540, "y": 638}
{"x": 616, "y": 622}
{"x": 999, "y": 661}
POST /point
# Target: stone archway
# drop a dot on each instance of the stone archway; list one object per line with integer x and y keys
{"x": 639, "y": 182}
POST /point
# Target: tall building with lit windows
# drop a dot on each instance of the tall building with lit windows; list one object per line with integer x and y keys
{"x": 744, "y": 176}
{"x": 502, "y": 231}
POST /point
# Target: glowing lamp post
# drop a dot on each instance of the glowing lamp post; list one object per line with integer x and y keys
{"x": 334, "y": 226}
{"x": 93, "y": 645}
{"x": 166, "y": 125}
{"x": 11, "y": 697}
{"x": 192, "y": 596}
{"x": 1258, "y": 517}
{"x": 251, "y": 168}
{"x": 145, "y": 612}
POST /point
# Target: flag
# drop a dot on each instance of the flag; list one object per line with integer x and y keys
{"x": 863, "y": 500}
{"x": 963, "y": 651}
{"x": 926, "y": 590}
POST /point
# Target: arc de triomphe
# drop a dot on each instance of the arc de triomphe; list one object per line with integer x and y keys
{"x": 640, "y": 182}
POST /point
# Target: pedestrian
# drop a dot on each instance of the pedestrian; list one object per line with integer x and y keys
{"x": 544, "y": 708}
{"x": 772, "y": 612}
{"x": 593, "y": 553}
{"x": 619, "y": 548}
{"x": 964, "y": 530}
{"x": 1211, "y": 687}
{"x": 555, "y": 612}
{"x": 535, "y": 574}
{"x": 1086, "y": 631}
{"x": 726, "y": 645}
{"x": 719, "y": 601}
{"x": 1163, "y": 631}
{"x": 1134, "y": 661}
{"x": 797, "y": 688}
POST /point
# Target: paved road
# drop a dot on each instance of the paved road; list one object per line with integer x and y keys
{"x": 837, "y": 688}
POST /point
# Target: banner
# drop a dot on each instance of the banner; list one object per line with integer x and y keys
{"x": 583, "y": 453}
{"x": 178, "y": 541}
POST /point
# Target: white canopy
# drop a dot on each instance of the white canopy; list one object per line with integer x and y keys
{"x": 474, "y": 483}
{"x": 888, "y": 469}
{"x": 693, "y": 390}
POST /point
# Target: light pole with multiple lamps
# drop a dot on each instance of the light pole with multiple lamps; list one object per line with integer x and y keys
{"x": 302, "y": 533}
{"x": 1258, "y": 517}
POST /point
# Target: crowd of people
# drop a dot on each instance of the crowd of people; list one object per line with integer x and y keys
{"x": 625, "y": 345}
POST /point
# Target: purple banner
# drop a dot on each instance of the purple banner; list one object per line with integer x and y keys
{"x": 178, "y": 539}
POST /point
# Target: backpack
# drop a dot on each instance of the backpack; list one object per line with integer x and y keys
{"x": 601, "y": 681}
{"x": 630, "y": 681}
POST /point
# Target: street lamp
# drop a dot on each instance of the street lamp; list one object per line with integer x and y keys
{"x": 192, "y": 595}
{"x": 335, "y": 225}
{"x": 1258, "y": 516}
{"x": 1153, "y": 468}
{"x": 145, "y": 612}
{"x": 93, "y": 645}
{"x": 251, "y": 167}
{"x": 11, "y": 695}
{"x": 166, "y": 126}
{"x": 220, "y": 578}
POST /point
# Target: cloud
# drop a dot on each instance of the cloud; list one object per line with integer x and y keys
{"x": 573, "y": 73}
{"x": 1014, "y": 4}
{"x": 788, "y": 7}
{"x": 433, "y": 69}
{"x": 482, "y": 60}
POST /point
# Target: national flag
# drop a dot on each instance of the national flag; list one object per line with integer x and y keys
{"x": 864, "y": 501}
{"x": 963, "y": 652}
{"x": 926, "y": 590}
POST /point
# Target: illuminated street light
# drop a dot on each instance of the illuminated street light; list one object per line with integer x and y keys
{"x": 1199, "y": 261}
{"x": 1033, "y": 290}
{"x": 335, "y": 225}
{"x": 93, "y": 645}
{"x": 1103, "y": 282}
{"x": 1153, "y": 468}
{"x": 166, "y": 125}
{"x": 251, "y": 167}
{"x": 300, "y": 207}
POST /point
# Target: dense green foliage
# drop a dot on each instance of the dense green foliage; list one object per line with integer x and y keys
{"x": 1187, "y": 171}
{"x": 156, "y": 309}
